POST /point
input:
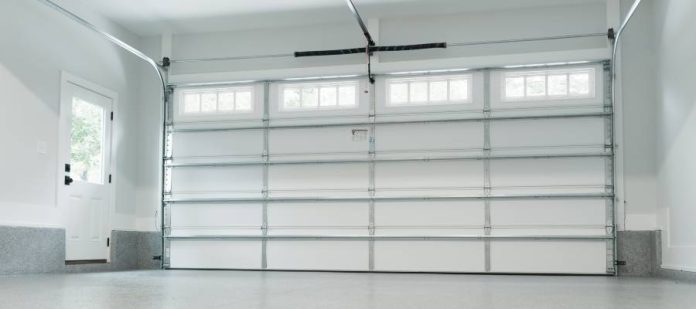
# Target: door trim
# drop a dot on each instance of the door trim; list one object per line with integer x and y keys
{"x": 66, "y": 79}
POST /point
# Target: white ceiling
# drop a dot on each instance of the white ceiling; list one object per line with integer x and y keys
{"x": 151, "y": 17}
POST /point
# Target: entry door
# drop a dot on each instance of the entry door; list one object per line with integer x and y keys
{"x": 84, "y": 171}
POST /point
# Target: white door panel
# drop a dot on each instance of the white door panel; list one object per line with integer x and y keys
{"x": 426, "y": 178}
{"x": 429, "y": 214}
{"x": 231, "y": 144}
{"x": 216, "y": 254}
{"x": 548, "y": 135}
{"x": 84, "y": 168}
{"x": 318, "y": 215}
{"x": 318, "y": 255}
{"x": 429, "y": 139}
{"x": 430, "y": 256}
{"x": 581, "y": 257}
{"x": 567, "y": 175}
{"x": 548, "y": 212}
{"x": 332, "y": 142}
{"x": 318, "y": 219}
{"x": 216, "y": 219}
{"x": 217, "y": 181}
{"x": 288, "y": 180}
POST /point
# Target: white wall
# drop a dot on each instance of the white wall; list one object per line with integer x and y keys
{"x": 638, "y": 95}
{"x": 676, "y": 130}
{"x": 37, "y": 44}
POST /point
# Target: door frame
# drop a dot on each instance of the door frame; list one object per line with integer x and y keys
{"x": 67, "y": 79}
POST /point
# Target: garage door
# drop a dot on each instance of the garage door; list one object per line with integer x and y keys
{"x": 504, "y": 170}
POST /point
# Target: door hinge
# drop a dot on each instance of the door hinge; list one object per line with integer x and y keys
{"x": 109, "y": 178}
{"x": 108, "y": 241}
{"x": 620, "y": 263}
{"x": 112, "y": 116}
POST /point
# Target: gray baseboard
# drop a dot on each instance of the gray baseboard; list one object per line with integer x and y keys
{"x": 31, "y": 250}
{"x": 640, "y": 252}
{"x": 677, "y": 275}
{"x": 26, "y": 250}
{"x": 129, "y": 251}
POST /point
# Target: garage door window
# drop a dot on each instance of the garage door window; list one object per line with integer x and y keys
{"x": 429, "y": 90}
{"x": 217, "y": 101}
{"x": 549, "y": 85}
{"x": 319, "y": 96}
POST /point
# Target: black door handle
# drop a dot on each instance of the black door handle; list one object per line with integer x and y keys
{"x": 68, "y": 180}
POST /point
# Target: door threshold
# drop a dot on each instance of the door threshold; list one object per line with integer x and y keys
{"x": 83, "y": 262}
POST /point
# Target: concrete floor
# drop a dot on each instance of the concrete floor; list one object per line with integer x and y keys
{"x": 229, "y": 289}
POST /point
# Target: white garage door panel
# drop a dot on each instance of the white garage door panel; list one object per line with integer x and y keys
{"x": 216, "y": 219}
{"x": 548, "y": 212}
{"x": 217, "y": 181}
{"x": 283, "y": 179}
{"x": 553, "y": 135}
{"x": 581, "y": 257}
{"x": 565, "y": 175}
{"x": 318, "y": 219}
{"x": 423, "y": 178}
{"x": 318, "y": 255}
{"x": 215, "y": 254}
{"x": 232, "y": 144}
{"x": 433, "y": 138}
{"x": 317, "y": 214}
{"x": 429, "y": 214}
{"x": 435, "y": 256}
{"x": 332, "y": 142}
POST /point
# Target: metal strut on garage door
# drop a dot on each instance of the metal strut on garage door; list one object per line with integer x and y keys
{"x": 488, "y": 185}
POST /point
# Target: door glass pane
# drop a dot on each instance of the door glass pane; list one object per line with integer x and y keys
{"x": 310, "y": 97}
{"x": 419, "y": 92}
{"x": 398, "y": 93}
{"x": 192, "y": 103}
{"x": 514, "y": 87}
{"x": 243, "y": 101}
{"x": 226, "y": 101}
{"x": 459, "y": 90}
{"x": 328, "y": 96}
{"x": 291, "y": 98}
{"x": 579, "y": 84}
{"x": 558, "y": 85}
{"x": 438, "y": 91}
{"x": 209, "y": 102}
{"x": 87, "y": 142}
{"x": 346, "y": 96}
{"x": 536, "y": 86}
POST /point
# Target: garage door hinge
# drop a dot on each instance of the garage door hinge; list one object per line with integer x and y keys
{"x": 108, "y": 241}
{"x": 112, "y": 116}
{"x": 109, "y": 178}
